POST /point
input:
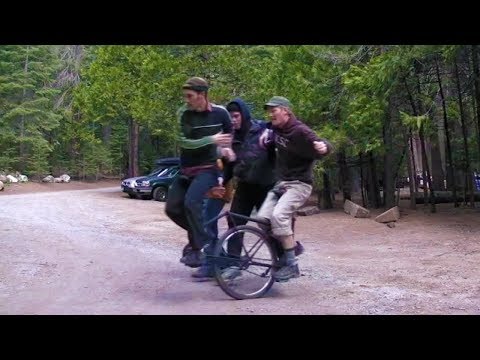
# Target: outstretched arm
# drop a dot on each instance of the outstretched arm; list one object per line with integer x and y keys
{"x": 219, "y": 139}
{"x": 307, "y": 144}
{"x": 322, "y": 147}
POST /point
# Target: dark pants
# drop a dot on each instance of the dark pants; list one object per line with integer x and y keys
{"x": 212, "y": 208}
{"x": 185, "y": 204}
{"x": 247, "y": 196}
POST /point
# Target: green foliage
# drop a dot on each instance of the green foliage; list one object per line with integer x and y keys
{"x": 414, "y": 122}
{"x": 318, "y": 171}
{"x": 67, "y": 108}
{"x": 27, "y": 115}
{"x": 95, "y": 160}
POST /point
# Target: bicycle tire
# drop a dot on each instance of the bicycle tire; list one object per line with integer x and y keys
{"x": 219, "y": 266}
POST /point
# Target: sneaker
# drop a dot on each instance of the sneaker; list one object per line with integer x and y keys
{"x": 227, "y": 262}
{"x": 231, "y": 273}
{"x": 194, "y": 259}
{"x": 286, "y": 273}
{"x": 204, "y": 272}
{"x": 299, "y": 249}
{"x": 186, "y": 249}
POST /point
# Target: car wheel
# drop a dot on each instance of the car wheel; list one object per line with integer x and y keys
{"x": 132, "y": 196}
{"x": 160, "y": 193}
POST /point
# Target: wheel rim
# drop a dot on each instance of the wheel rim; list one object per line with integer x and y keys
{"x": 249, "y": 276}
{"x": 160, "y": 194}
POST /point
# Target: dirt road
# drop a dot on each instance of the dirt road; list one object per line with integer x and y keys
{"x": 98, "y": 252}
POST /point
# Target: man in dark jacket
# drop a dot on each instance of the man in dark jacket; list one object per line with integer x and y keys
{"x": 297, "y": 147}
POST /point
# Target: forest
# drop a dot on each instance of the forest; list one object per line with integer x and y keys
{"x": 399, "y": 116}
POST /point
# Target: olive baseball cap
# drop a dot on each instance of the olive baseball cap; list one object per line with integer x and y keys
{"x": 278, "y": 101}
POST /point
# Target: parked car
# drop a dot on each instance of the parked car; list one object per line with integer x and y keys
{"x": 157, "y": 186}
{"x": 128, "y": 185}
{"x": 161, "y": 165}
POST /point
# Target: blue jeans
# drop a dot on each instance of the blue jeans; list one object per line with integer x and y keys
{"x": 211, "y": 209}
{"x": 185, "y": 205}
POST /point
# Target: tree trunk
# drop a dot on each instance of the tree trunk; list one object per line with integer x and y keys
{"x": 411, "y": 175}
{"x": 476, "y": 165}
{"x": 476, "y": 71}
{"x": 388, "y": 181}
{"x": 437, "y": 172}
{"x": 411, "y": 143}
{"x": 325, "y": 195}
{"x": 425, "y": 172}
{"x": 468, "y": 176}
{"x": 373, "y": 191}
{"x": 22, "y": 118}
{"x": 451, "y": 182}
{"x": 397, "y": 171}
{"x": 107, "y": 133}
{"x": 133, "y": 149}
{"x": 345, "y": 180}
{"x": 412, "y": 156}
{"x": 362, "y": 180}
{"x": 427, "y": 183}
{"x": 327, "y": 191}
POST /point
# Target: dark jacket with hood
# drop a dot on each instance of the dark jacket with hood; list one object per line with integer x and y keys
{"x": 254, "y": 164}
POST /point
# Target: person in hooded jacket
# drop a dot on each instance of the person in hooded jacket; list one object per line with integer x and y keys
{"x": 254, "y": 173}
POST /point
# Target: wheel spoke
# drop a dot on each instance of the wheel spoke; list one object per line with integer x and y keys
{"x": 249, "y": 274}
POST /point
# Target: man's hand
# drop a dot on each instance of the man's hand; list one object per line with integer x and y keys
{"x": 264, "y": 138}
{"x": 216, "y": 192}
{"x": 222, "y": 139}
{"x": 321, "y": 147}
{"x": 229, "y": 154}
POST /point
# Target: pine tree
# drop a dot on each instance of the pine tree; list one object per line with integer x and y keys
{"x": 26, "y": 107}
